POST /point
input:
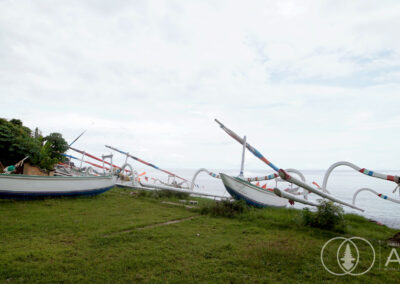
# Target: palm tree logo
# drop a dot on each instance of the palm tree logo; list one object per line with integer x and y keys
{"x": 347, "y": 255}
{"x": 347, "y": 259}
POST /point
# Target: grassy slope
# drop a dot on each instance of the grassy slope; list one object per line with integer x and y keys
{"x": 95, "y": 240}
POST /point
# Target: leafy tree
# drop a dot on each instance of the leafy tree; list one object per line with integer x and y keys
{"x": 37, "y": 134}
{"x": 16, "y": 122}
{"x": 18, "y": 141}
{"x": 57, "y": 145}
{"x": 54, "y": 145}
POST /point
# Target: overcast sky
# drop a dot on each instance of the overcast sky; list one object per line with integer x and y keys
{"x": 309, "y": 82}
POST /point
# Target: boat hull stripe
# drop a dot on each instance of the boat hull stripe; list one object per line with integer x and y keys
{"x": 5, "y": 194}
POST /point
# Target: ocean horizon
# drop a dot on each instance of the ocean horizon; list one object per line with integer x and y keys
{"x": 342, "y": 183}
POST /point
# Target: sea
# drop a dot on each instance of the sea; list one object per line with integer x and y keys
{"x": 342, "y": 184}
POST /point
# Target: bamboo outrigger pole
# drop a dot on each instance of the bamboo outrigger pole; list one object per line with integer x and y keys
{"x": 282, "y": 173}
{"x": 96, "y": 158}
{"x": 87, "y": 162}
{"x": 146, "y": 163}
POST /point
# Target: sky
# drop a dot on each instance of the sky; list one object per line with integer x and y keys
{"x": 309, "y": 82}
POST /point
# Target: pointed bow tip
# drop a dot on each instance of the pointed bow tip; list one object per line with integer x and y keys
{"x": 217, "y": 121}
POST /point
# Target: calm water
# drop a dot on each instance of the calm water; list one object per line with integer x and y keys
{"x": 342, "y": 184}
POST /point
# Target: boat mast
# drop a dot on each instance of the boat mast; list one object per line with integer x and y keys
{"x": 77, "y": 138}
{"x": 243, "y": 154}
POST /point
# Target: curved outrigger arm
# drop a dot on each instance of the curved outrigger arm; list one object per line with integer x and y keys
{"x": 251, "y": 179}
{"x": 284, "y": 175}
{"x": 364, "y": 171}
{"x": 376, "y": 193}
{"x": 133, "y": 174}
{"x": 214, "y": 175}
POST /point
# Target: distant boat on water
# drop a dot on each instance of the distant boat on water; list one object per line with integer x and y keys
{"x": 29, "y": 186}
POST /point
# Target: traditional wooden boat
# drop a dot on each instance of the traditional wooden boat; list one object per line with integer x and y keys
{"x": 253, "y": 195}
{"x": 282, "y": 173}
{"x": 26, "y": 186}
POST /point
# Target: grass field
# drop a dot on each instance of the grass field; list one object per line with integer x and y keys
{"x": 117, "y": 237}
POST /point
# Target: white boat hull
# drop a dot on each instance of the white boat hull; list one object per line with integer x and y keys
{"x": 251, "y": 194}
{"x": 24, "y": 186}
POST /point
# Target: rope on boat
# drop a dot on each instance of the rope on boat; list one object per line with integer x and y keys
{"x": 284, "y": 175}
{"x": 396, "y": 188}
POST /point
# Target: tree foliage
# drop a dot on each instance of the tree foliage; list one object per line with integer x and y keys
{"x": 17, "y": 141}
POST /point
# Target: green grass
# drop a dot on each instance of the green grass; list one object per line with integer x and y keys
{"x": 97, "y": 240}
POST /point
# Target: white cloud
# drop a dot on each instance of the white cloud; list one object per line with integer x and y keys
{"x": 309, "y": 82}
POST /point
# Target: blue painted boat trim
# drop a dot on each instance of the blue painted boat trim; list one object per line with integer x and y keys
{"x": 4, "y": 194}
{"x": 52, "y": 177}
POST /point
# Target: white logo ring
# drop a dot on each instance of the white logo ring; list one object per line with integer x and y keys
{"x": 358, "y": 256}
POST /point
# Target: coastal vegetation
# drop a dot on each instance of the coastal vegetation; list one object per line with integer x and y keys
{"x": 18, "y": 141}
{"x": 225, "y": 208}
{"x": 328, "y": 216}
{"x": 127, "y": 236}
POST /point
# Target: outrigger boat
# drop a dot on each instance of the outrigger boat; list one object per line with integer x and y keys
{"x": 27, "y": 186}
{"x": 241, "y": 188}
{"x": 253, "y": 195}
{"x": 237, "y": 186}
{"x": 14, "y": 186}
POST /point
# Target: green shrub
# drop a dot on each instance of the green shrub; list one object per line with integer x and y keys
{"x": 328, "y": 217}
{"x": 143, "y": 193}
{"x": 226, "y": 208}
{"x": 172, "y": 194}
{"x": 162, "y": 194}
